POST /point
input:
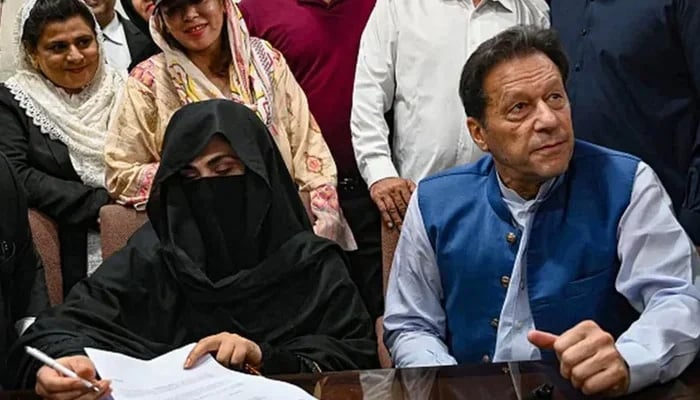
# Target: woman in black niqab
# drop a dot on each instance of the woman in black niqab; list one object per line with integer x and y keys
{"x": 221, "y": 254}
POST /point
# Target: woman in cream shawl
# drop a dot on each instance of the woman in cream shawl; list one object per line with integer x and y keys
{"x": 54, "y": 113}
{"x": 234, "y": 66}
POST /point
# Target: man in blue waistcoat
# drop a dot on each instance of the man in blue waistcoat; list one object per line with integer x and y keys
{"x": 547, "y": 243}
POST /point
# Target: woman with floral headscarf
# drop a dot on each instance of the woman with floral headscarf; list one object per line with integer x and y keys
{"x": 54, "y": 113}
{"x": 208, "y": 54}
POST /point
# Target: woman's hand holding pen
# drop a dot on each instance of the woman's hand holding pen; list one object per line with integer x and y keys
{"x": 231, "y": 351}
{"x": 50, "y": 384}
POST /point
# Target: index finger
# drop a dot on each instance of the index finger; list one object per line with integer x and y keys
{"x": 407, "y": 191}
{"x": 400, "y": 204}
{"x": 83, "y": 394}
{"x": 204, "y": 346}
{"x": 58, "y": 383}
{"x": 411, "y": 186}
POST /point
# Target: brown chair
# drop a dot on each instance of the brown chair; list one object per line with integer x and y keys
{"x": 390, "y": 237}
{"x": 117, "y": 224}
{"x": 45, "y": 237}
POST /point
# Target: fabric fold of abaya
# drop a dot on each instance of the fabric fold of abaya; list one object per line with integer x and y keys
{"x": 285, "y": 288}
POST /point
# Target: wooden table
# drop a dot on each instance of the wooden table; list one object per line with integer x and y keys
{"x": 471, "y": 382}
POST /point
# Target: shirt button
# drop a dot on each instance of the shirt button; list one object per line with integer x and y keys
{"x": 522, "y": 285}
{"x": 584, "y": 32}
{"x": 577, "y": 67}
{"x": 494, "y": 323}
{"x": 486, "y": 359}
{"x": 505, "y": 280}
{"x": 518, "y": 325}
{"x": 510, "y": 237}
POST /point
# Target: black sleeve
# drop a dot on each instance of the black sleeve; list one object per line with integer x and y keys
{"x": 27, "y": 288}
{"x": 113, "y": 310}
{"x": 28, "y": 294}
{"x": 68, "y": 202}
{"x": 279, "y": 361}
{"x": 343, "y": 338}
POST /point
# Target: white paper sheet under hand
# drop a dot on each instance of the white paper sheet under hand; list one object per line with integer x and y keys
{"x": 164, "y": 378}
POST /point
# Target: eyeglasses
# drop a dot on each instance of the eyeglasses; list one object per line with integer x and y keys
{"x": 176, "y": 8}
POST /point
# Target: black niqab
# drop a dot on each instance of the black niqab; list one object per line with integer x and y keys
{"x": 272, "y": 216}
{"x": 287, "y": 289}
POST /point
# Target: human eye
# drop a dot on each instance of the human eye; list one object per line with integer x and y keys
{"x": 58, "y": 47}
{"x": 84, "y": 42}
{"x": 169, "y": 11}
{"x": 189, "y": 174}
{"x": 228, "y": 166}
{"x": 518, "y": 108}
{"x": 556, "y": 99}
{"x": 224, "y": 167}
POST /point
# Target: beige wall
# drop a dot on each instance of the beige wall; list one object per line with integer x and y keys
{"x": 7, "y": 22}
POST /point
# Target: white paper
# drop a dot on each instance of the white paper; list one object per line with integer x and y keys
{"x": 164, "y": 378}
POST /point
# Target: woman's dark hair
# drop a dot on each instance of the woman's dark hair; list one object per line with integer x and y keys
{"x": 515, "y": 42}
{"x": 46, "y": 11}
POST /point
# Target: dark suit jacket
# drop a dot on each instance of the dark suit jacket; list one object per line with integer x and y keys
{"x": 51, "y": 184}
{"x": 22, "y": 286}
{"x": 141, "y": 47}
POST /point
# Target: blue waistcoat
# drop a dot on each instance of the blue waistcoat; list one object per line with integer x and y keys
{"x": 571, "y": 256}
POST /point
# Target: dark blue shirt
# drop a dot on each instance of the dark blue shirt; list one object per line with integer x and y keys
{"x": 634, "y": 86}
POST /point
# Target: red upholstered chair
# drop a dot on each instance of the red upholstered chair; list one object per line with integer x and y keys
{"x": 117, "y": 224}
{"x": 45, "y": 237}
{"x": 390, "y": 237}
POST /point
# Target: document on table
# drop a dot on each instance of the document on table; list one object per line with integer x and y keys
{"x": 164, "y": 378}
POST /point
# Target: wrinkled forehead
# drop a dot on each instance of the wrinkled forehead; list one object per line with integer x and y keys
{"x": 527, "y": 75}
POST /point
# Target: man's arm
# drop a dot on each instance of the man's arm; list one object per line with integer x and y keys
{"x": 414, "y": 320}
{"x": 656, "y": 277}
{"x": 373, "y": 94}
{"x": 687, "y": 13}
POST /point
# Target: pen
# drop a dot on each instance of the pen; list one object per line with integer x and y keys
{"x": 58, "y": 367}
{"x": 249, "y": 369}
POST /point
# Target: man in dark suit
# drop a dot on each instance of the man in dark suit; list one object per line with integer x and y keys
{"x": 125, "y": 44}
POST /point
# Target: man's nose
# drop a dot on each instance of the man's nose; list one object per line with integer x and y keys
{"x": 545, "y": 118}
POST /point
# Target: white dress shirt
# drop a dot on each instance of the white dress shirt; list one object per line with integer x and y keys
{"x": 658, "y": 264}
{"x": 116, "y": 47}
{"x": 411, "y": 58}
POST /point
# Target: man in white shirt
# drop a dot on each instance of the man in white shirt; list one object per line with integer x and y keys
{"x": 410, "y": 59}
{"x": 125, "y": 45}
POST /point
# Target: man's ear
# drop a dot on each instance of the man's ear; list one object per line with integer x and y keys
{"x": 477, "y": 131}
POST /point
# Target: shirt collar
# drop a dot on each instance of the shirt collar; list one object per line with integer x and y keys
{"x": 114, "y": 31}
{"x": 512, "y": 196}
{"x": 507, "y": 4}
